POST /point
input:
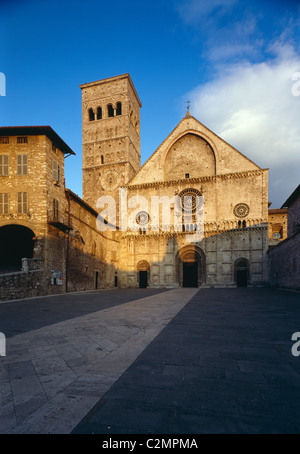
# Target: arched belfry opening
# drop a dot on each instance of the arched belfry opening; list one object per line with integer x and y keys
{"x": 242, "y": 272}
{"x": 119, "y": 108}
{"x": 143, "y": 273}
{"x": 16, "y": 242}
{"x": 99, "y": 113}
{"x": 110, "y": 111}
{"x": 91, "y": 115}
{"x": 191, "y": 266}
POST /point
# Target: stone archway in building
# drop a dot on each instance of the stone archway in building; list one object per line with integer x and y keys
{"x": 143, "y": 268}
{"x": 16, "y": 242}
{"x": 242, "y": 272}
{"x": 191, "y": 266}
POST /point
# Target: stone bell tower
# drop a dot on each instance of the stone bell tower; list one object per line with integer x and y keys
{"x": 111, "y": 153}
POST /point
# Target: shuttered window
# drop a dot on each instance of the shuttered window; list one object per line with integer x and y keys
{"x": 56, "y": 171}
{"x": 3, "y": 165}
{"x": 22, "y": 203}
{"x": 22, "y": 164}
{"x": 22, "y": 140}
{"x": 4, "y": 203}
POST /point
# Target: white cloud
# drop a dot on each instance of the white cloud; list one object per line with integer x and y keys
{"x": 193, "y": 10}
{"x": 252, "y": 107}
{"x": 229, "y": 51}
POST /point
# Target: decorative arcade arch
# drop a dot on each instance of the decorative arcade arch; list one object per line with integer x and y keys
{"x": 191, "y": 152}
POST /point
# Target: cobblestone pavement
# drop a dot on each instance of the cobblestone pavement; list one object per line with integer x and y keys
{"x": 64, "y": 352}
{"x": 181, "y": 361}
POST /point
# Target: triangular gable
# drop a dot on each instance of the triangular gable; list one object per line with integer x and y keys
{"x": 228, "y": 159}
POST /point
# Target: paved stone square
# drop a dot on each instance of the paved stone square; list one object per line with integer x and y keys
{"x": 183, "y": 361}
{"x": 64, "y": 352}
{"x": 222, "y": 365}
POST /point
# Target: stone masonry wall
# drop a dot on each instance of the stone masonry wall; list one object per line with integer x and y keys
{"x": 278, "y": 225}
{"x": 110, "y": 144}
{"x": 284, "y": 263}
{"x": 22, "y": 285}
{"x": 294, "y": 217}
{"x": 91, "y": 254}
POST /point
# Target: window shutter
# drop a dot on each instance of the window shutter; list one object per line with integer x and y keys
{"x": 25, "y": 202}
{"x": 4, "y": 165}
{"x": 22, "y": 164}
{"x": 25, "y": 164}
{"x": 55, "y": 171}
{"x": 19, "y": 162}
{"x": 6, "y": 203}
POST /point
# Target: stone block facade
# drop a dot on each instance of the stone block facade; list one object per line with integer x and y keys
{"x": 22, "y": 285}
{"x": 278, "y": 225}
{"x": 48, "y": 223}
{"x": 293, "y": 205}
{"x": 92, "y": 255}
{"x": 194, "y": 161}
{"x": 284, "y": 259}
{"x": 284, "y": 263}
{"x": 110, "y": 136}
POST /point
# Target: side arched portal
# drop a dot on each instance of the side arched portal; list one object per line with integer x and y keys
{"x": 143, "y": 273}
{"x": 16, "y": 242}
{"x": 191, "y": 266}
{"x": 242, "y": 272}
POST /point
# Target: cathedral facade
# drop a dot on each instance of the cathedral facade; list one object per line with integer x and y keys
{"x": 191, "y": 162}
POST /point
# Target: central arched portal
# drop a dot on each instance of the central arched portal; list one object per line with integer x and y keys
{"x": 190, "y": 274}
{"x": 191, "y": 268}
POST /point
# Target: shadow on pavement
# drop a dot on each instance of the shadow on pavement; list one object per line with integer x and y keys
{"x": 21, "y": 316}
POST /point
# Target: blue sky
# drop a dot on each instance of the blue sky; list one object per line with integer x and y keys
{"x": 237, "y": 61}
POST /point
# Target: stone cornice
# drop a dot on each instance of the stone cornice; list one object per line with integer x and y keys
{"x": 149, "y": 235}
{"x": 285, "y": 241}
{"x": 92, "y": 142}
{"x": 228, "y": 176}
{"x": 105, "y": 165}
{"x": 113, "y": 79}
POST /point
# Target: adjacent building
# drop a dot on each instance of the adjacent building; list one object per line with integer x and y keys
{"x": 278, "y": 223}
{"x": 49, "y": 242}
{"x": 284, "y": 259}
